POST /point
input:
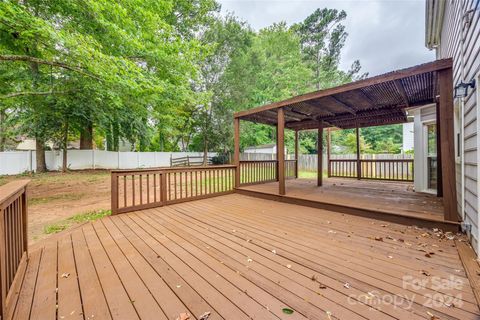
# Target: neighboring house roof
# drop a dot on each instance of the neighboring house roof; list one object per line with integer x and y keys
{"x": 263, "y": 146}
{"x": 434, "y": 13}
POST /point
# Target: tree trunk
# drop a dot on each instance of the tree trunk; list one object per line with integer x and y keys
{"x": 3, "y": 130}
{"x": 205, "y": 151}
{"x": 86, "y": 137}
{"x": 65, "y": 147}
{"x": 40, "y": 153}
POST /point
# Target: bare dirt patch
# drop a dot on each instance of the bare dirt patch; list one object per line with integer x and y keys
{"x": 54, "y": 197}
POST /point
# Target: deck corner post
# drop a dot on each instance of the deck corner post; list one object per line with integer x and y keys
{"x": 296, "y": 154}
{"x": 163, "y": 185}
{"x": 114, "y": 193}
{"x": 236, "y": 151}
{"x": 329, "y": 170}
{"x": 281, "y": 151}
{"x": 446, "y": 110}
{"x": 359, "y": 164}
{"x": 320, "y": 154}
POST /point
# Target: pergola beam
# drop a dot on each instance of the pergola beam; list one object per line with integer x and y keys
{"x": 401, "y": 90}
{"x": 344, "y": 105}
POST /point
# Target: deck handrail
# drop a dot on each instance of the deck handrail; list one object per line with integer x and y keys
{"x": 376, "y": 169}
{"x": 140, "y": 189}
{"x": 13, "y": 240}
{"x": 264, "y": 171}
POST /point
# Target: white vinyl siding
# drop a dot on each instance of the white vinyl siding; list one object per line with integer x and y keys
{"x": 467, "y": 63}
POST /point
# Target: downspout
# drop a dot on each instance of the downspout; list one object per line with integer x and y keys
{"x": 462, "y": 116}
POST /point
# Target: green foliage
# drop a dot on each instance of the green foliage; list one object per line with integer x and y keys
{"x": 163, "y": 75}
{"x": 78, "y": 218}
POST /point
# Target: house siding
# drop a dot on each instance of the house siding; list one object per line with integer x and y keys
{"x": 466, "y": 64}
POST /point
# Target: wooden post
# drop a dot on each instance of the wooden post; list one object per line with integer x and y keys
{"x": 276, "y": 156}
{"x": 320, "y": 154}
{"x": 281, "y": 151}
{"x": 329, "y": 170}
{"x": 296, "y": 154}
{"x": 359, "y": 167}
{"x": 439, "y": 153}
{"x": 445, "y": 84}
{"x": 114, "y": 193}
{"x": 236, "y": 151}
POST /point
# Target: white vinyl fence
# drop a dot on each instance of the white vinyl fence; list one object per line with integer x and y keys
{"x": 16, "y": 162}
{"x": 308, "y": 162}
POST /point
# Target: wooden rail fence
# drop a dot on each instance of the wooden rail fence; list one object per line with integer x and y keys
{"x": 141, "y": 189}
{"x": 263, "y": 171}
{"x": 377, "y": 169}
{"x": 13, "y": 241}
{"x": 189, "y": 161}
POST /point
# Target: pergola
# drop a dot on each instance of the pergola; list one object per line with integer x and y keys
{"x": 375, "y": 101}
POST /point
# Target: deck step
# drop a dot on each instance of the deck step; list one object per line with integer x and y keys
{"x": 363, "y": 212}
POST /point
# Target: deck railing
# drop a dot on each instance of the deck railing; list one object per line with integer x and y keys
{"x": 264, "y": 171}
{"x": 377, "y": 169}
{"x": 258, "y": 171}
{"x": 141, "y": 189}
{"x": 13, "y": 240}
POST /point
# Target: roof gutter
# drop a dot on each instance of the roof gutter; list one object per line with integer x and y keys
{"x": 434, "y": 12}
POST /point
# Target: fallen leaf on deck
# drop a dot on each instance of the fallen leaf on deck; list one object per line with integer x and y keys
{"x": 428, "y": 255}
{"x": 65, "y": 275}
{"x": 289, "y": 266}
{"x": 274, "y": 251}
{"x": 347, "y": 285}
{"x": 378, "y": 239}
{"x": 314, "y": 278}
{"x": 205, "y": 316}
{"x": 426, "y": 273}
{"x": 322, "y": 286}
{"x": 329, "y": 315}
{"x": 183, "y": 316}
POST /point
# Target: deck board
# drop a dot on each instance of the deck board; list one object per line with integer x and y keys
{"x": 241, "y": 257}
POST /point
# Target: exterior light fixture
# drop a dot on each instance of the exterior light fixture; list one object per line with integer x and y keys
{"x": 461, "y": 89}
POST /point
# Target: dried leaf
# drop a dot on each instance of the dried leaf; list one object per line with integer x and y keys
{"x": 205, "y": 316}
{"x": 183, "y": 316}
{"x": 347, "y": 285}
{"x": 65, "y": 275}
{"x": 329, "y": 315}
{"x": 426, "y": 273}
{"x": 322, "y": 286}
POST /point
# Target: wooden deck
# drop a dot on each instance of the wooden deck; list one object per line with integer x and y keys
{"x": 239, "y": 257}
{"x": 377, "y": 197}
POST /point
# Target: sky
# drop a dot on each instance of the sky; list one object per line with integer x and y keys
{"x": 385, "y": 35}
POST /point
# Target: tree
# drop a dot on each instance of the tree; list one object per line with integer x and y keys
{"x": 101, "y": 64}
{"x": 322, "y": 37}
